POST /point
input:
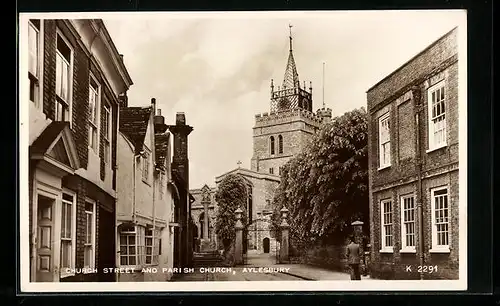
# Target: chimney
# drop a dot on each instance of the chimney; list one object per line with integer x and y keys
{"x": 159, "y": 123}
{"x": 153, "y": 105}
{"x": 180, "y": 118}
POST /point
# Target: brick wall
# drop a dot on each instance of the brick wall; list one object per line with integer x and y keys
{"x": 49, "y": 67}
{"x": 393, "y": 265}
{"x": 79, "y": 87}
{"x": 399, "y": 94}
{"x": 420, "y": 66}
{"x": 82, "y": 65}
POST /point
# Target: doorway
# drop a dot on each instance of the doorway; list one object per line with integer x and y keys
{"x": 106, "y": 246}
{"x": 45, "y": 243}
{"x": 266, "y": 245}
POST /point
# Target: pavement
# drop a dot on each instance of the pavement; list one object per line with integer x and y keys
{"x": 263, "y": 267}
{"x": 301, "y": 271}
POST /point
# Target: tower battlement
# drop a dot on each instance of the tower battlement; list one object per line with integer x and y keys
{"x": 287, "y": 116}
{"x": 325, "y": 114}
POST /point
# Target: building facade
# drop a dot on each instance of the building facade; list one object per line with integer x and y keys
{"x": 76, "y": 78}
{"x": 278, "y": 136}
{"x": 145, "y": 202}
{"x": 413, "y": 166}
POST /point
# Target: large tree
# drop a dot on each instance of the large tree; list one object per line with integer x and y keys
{"x": 231, "y": 194}
{"x": 325, "y": 187}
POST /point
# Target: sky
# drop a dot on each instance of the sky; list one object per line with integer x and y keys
{"x": 217, "y": 67}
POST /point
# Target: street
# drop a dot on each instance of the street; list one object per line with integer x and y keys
{"x": 256, "y": 269}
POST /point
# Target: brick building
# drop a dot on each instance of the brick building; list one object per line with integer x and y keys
{"x": 278, "y": 136}
{"x": 76, "y": 78}
{"x": 413, "y": 165}
{"x": 145, "y": 204}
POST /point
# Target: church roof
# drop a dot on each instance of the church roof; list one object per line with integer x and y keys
{"x": 134, "y": 124}
{"x": 249, "y": 173}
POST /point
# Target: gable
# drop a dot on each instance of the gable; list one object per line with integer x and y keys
{"x": 134, "y": 123}
{"x": 56, "y": 147}
{"x": 59, "y": 153}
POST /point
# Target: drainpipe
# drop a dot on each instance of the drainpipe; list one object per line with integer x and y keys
{"x": 154, "y": 218}
{"x": 134, "y": 214}
{"x": 418, "y": 108}
{"x": 153, "y": 157}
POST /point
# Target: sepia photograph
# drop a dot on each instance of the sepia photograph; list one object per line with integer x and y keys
{"x": 300, "y": 151}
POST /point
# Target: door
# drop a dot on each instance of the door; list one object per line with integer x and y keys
{"x": 45, "y": 243}
{"x": 266, "y": 245}
{"x": 106, "y": 244}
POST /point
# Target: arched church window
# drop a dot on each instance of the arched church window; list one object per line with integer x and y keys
{"x": 280, "y": 144}
{"x": 272, "y": 144}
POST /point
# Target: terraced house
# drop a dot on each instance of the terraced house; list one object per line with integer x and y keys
{"x": 76, "y": 78}
{"x": 413, "y": 166}
{"x": 146, "y": 194}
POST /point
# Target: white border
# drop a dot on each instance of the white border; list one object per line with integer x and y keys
{"x": 372, "y": 285}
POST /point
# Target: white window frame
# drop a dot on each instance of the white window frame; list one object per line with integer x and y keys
{"x": 107, "y": 138}
{"x": 435, "y": 247}
{"x": 146, "y": 166}
{"x": 383, "y": 247}
{"x": 95, "y": 124}
{"x": 38, "y": 92}
{"x": 70, "y": 77}
{"x": 63, "y": 272}
{"x": 154, "y": 256}
{"x": 139, "y": 238}
{"x": 431, "y": 142}
{"x": 381, "y": 120}
{"x": 92, "y": 243}
{"x": 404, "y": 247}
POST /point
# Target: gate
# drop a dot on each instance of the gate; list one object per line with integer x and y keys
{"x": 260, "y": 243}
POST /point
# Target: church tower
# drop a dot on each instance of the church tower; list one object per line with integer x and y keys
{"x": 283, "y": 132}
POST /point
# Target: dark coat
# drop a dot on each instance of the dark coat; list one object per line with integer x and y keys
{"x": 353, "y": 253}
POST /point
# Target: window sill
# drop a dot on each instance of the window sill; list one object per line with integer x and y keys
{"x": 436, "y": 148}
{"x": 439, "y": 250}
{"x": 383, "y": 167}
{"x": 409, "y": 251}
{"x": 386, "y": 250}
{"x": 64, "y": 275}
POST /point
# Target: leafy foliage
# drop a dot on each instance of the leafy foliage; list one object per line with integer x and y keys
{"x": 231, "y": 194}
{"x": 325, "y": 187}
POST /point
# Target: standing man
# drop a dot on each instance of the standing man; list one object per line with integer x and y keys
{"x": 353, "y": 255}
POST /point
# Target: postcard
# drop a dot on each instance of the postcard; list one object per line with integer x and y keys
{"x": 195, "y": 151}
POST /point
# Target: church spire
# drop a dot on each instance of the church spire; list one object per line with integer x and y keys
{"x": 291, "y": 78}
{"x": 290, "y": 96}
